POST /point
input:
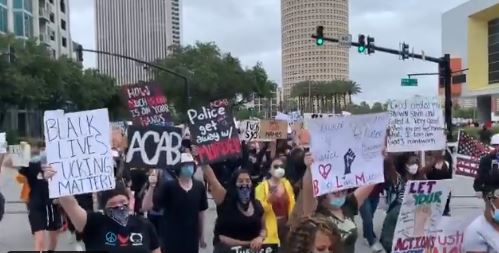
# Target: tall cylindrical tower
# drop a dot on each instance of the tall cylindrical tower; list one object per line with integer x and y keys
{"x": 302, "y": 60}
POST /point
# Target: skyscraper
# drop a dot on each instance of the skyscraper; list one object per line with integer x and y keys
{"x": 46, "y": 20}
{"x": 142, "y": 29}
{"x": 302, "y": 60}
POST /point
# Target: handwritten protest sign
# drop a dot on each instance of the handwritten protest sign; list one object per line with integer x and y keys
{"x": 147, "y": 104}
{"x": 249, "y": 130}
{"x": 153, "y": 146}
{"x": 273, "y": 130}
{"x": 420, "y": 215}
{"x": 347, "y": 151}
{"x": 3, "y": 143}
{"x": 450, "y": 236}
{"x": 266, "y": 248}
{"x": 20, "y": 154}
{"x": 416, "y": 124}
{"x": 213, "y": 131}
{"x": 79, "y": 149}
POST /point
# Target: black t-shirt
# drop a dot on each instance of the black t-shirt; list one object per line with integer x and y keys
{"x": 39, "y": 194}
{"x": 102, "y": 233}
{"x": 181, "y": 215}
{"x": 231, "y": 222}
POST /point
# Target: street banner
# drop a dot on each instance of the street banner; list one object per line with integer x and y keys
{"x": 3, "y": 143}
{"x": 79, "y": 149}
{"x": 420, "y": 215}
{"x": 469, "y": 153}
{"x": 213, "y": 130}
{"x": 249, "y": 130}
{"x": 147, "y": 104}
{"x": 273, "y": 130}
{"x": 347, "y": 151}
{"x": 20, "y": 155}
{"x": 416, "y": 124}
{"x": 153, "y": 146}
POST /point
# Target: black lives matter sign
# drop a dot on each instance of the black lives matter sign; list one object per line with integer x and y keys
{"x": 153, "y": 146}
{"x": 214, "y": 132}
{"x": 79, "y": 149}
{"x": 147, "y": 104}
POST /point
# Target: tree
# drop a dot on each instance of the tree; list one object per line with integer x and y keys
{"x": 377, "y": 107}
{"x": 37, "y": 81}
{"x": 212, "y": 75}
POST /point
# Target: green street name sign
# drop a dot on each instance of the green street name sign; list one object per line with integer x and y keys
{"x": 409, "y": 82}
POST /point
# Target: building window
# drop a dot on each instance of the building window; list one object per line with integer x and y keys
{"x": 28, "y": 6}
{"x": 18, "y": 4}
{"x": 19, "y": 23}
{"x": 64, "y": 42}
{"x": 3, "y": 19}
{"x": 4, "y": 2}
{"x": 28, "y": 25}
{"x": 52, "y": 35}
{"x": 51, "y": 1}
{"x": 63, "y": 6}
{"x": 493, "y": 44}
{"x": 63, "y": 24}
{"x": 52, "y": 17}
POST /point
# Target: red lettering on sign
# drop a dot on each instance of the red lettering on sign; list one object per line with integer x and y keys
{"x": 222, "y": 148}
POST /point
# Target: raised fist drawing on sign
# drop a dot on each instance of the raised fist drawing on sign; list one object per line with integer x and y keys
{"x": 349, "y": 157}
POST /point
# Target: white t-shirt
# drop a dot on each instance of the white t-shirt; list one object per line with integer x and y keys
{"x": 480, "y": 236}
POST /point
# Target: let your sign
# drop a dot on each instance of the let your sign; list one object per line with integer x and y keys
{"x": 79, "y": 149}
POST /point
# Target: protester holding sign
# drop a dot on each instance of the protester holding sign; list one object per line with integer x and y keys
{"x": 439, "y": 167}
{"x": 482, "y": 235}
{"x": 115, "y": 231}
{"x": 240, "y": 219}
{"x": 315, "y": 235}
{"x": 43, "y": 215}
{"x": 183, "y": 202}
{"x": 398, "y": 170}
{"x": 278, "y": 200}
{"x": 339, "y": 207}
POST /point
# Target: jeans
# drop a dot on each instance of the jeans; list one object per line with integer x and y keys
{"x": 367, "y": 213}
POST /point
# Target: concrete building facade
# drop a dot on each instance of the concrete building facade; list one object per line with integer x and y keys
{"x": 302, "y": 60}
{"x": 143, "y": 29}
{"x": 470, "y": 32}
{"x": 45, "y": 20}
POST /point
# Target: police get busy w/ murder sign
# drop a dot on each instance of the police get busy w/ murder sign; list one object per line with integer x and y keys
{"x": 79, "y": 149}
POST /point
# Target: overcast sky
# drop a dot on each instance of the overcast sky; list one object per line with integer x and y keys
{"x": 250, "y": 30}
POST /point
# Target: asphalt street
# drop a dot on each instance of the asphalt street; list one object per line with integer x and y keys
{"x": 15, "y": 232}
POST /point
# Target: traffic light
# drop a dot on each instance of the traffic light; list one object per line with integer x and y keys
{"x": 12, "y": 54}
{"x": 370, "y": 45}
{"x": 405, "y": 51}
{"x": 319, "y": 40}
{"x": 79, "y": 53}
{"x": 362, "y": 44}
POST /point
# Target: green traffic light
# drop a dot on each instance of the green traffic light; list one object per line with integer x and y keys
{"x": 319, "y": 41}
{"x": 361, "y": 49}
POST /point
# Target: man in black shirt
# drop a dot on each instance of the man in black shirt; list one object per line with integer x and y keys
{"x": 183, "y": 202}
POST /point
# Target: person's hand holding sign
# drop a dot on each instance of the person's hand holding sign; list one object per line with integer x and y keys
{"x": 48, "y": 172}
{"x": 257, "y": 243}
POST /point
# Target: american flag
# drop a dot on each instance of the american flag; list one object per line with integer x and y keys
{"x": 469, "y": 152}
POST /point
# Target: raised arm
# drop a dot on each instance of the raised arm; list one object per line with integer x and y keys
{"x": 217, "y": 190}
{"x": 309, "y": 202}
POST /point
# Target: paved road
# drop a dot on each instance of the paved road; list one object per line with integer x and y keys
{"x": 15, "y": 233}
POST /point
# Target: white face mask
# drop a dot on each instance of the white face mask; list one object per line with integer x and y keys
{"x": 412, "y": 169}
{"x": 278, "y": 173}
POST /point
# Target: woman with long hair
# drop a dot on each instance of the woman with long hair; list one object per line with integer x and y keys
{"x": 398, "y": 170}
{"x": 314, "y": 235}
{"x": 278, "y": 200}
{"x": 240, "y": 219}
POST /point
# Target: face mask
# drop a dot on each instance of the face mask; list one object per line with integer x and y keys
{"x": 187, "y": 170}
{"x": 412, "y": 169}
{"x": 244, "y": 194}
{"x": 337, "y": 202}
{"x": 119, "y": 214}
{"x": 495, "y": 213}
{"x": 278, "y": 173}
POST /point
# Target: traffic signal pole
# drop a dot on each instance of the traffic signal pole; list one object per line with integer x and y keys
{"x": 444, "y": 63}
{"x": 79, "y": 50}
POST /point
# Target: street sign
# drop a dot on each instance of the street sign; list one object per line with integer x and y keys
{"x": 345, "y": 41}
{"x": 459, "y": 79}
{"x": 409, "y": 82}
